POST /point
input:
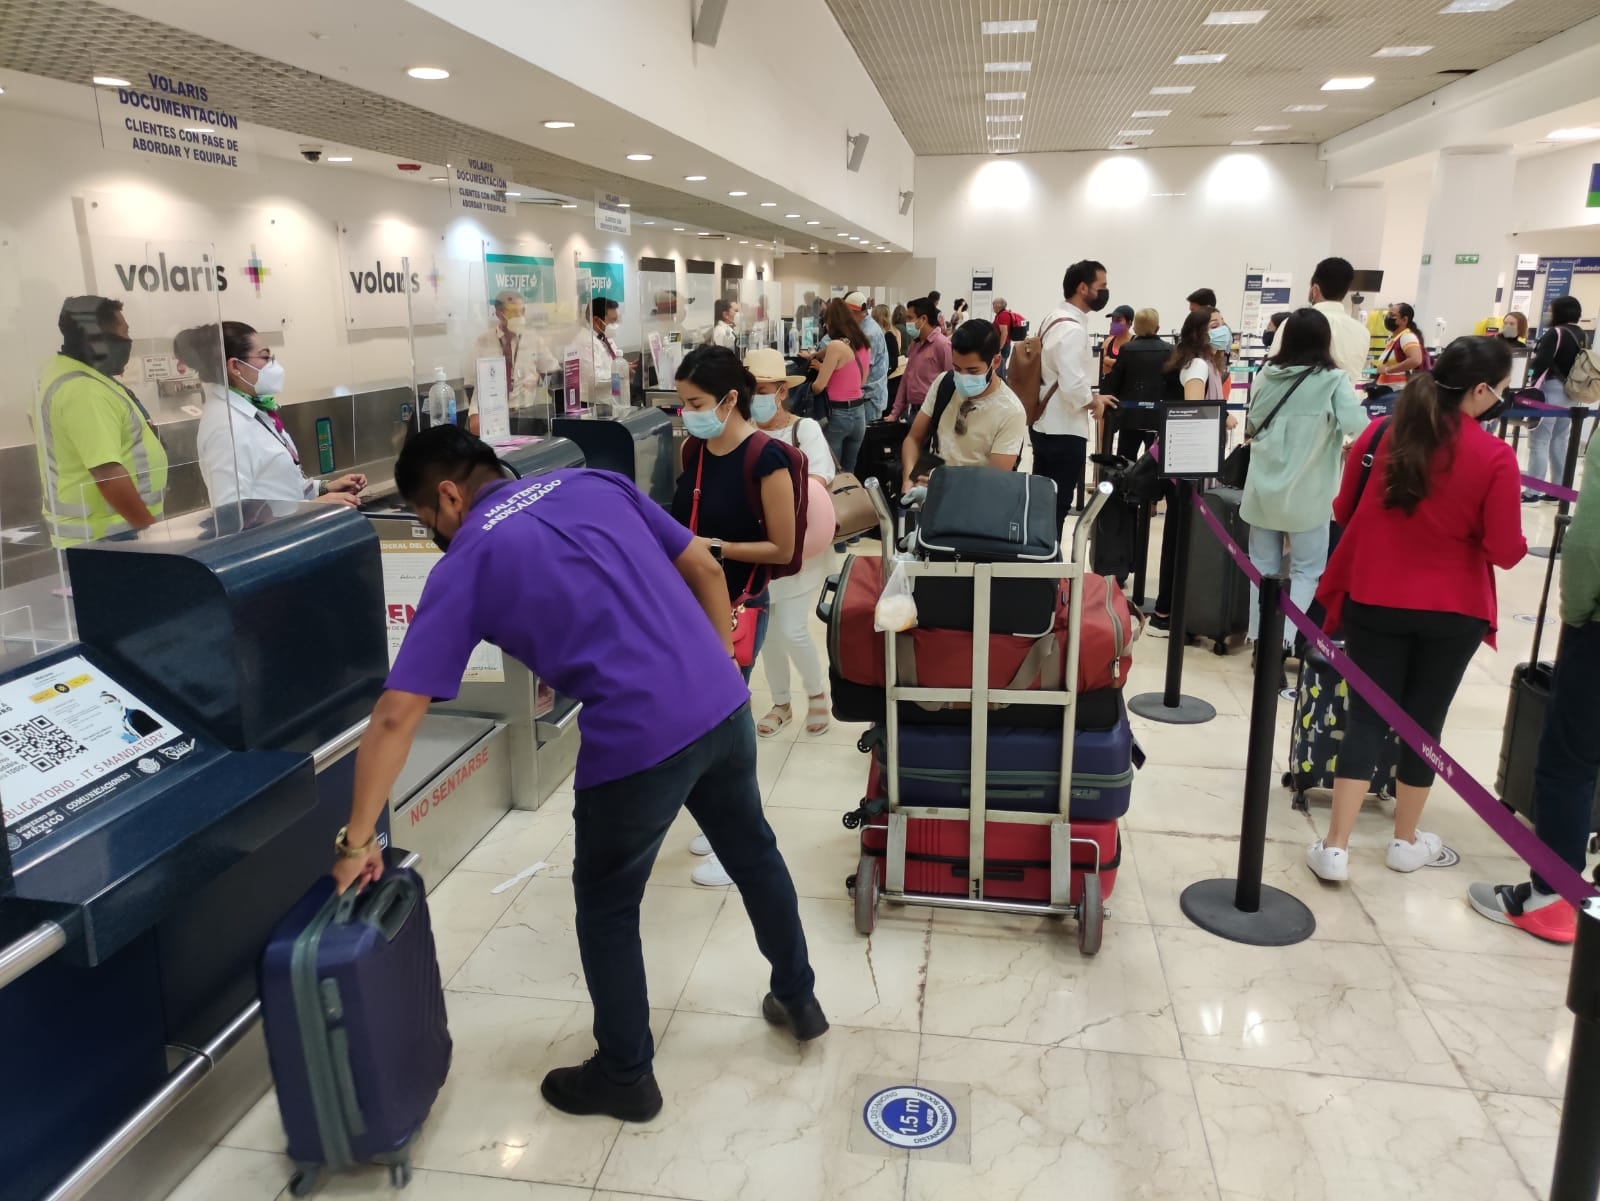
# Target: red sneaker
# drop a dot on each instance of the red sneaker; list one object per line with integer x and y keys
{"x": 1543, "y": 915}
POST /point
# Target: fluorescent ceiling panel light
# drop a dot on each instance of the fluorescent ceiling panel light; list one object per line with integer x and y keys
{"x": 1001, "y": 96}
{"x": 994, "y": 120}
{"x": 111, "y": 81}
{"x": 995, "y": 67}
{"x": 690, "y": 178}
{"x": 738, "y": 193}
{"x": 677, "y": 229}
{"x": 1348, "y": 83}
{"x": 791, "y": 216}
{"x": 1270, "y": 128}
{"x": 1134, "y": 133}
{"x": 1473, "y": 6}
{"x": 1153, "y": 112}
{"x": 813, "y": 223}
{"x": 428, "y": 73}
{"x": 1010, "y": 26}
{"x": 769, "y": 204}
{"x": 1246, "y": 142}
{"x": 1402, "y": 52}
{"x": 1305, "y": 108}
{"x": 345, "y": 158}
{"x": 1573, "y": 135}
{"x": 569, "y": 206}
{"x": 1198, "y": 60}
{"x": 1170, "y": 91}
{"x": 640, "y": 158}
{"x": 1251, "y": 16}
{"x": 560, "y": 124}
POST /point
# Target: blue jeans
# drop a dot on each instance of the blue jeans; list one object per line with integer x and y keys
{"x": 847, "y": 427}
{"x": 1547, "y": 441}
{"x": 1308, "y": 559}
{"x": 1569, "y": 753}
{"x": 619, "y": 830}
{"x": 763, "y": 606}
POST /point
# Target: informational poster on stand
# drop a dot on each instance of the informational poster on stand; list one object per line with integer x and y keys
{"x": 1265, "y": 292}
{"x": 611, "y": 214}
{"x": 1522, "y": 284}
{"x": 494, "y": 404}
{"x": 71, "y": 739}
{"x": 533, "y": 279}
{"x": 1192, "y": 437}
{"x": 982, "y": 279}
{"x": 572, "y": 380}
{"x": 475, "y": 185}
{"x": 406, "y": 566}
{"x": 160, "y": 117}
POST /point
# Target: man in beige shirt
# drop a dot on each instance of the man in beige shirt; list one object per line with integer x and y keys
{"x": 980, "y": 422}
{"x": 1330, "y": 284}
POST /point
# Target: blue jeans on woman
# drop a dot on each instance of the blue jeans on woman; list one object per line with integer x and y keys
{"x": 763, "y": 608}
{"x": 845, "y": 431}
{"x": 1308, "y": 559}
{"x": 1547, "y": 441}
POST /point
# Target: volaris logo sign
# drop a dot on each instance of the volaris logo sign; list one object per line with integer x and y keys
{"x": 380, "y": 281}
{"x": 162, "y": 276}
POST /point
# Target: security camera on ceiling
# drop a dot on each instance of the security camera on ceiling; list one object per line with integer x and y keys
{"x": 311, "y": 153}
{"x": 708, "y": 23}
{"x": 857, "y": 143}
{"x": 905, "y": 202}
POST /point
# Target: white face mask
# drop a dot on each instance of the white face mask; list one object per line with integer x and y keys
{"x": 612, "y": 328}
{"x": 516, "y": 324}
{"x": 269, "y": 379}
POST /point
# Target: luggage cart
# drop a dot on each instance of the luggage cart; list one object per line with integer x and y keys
{"x": 881, "y": 878}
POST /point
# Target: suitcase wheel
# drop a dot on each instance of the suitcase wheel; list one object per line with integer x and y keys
{"x": 865, "y": 890}
{"x": 1219, "y": 648}
{"x": 1091, "y": 915}
{"x": 400, "y": 1174}
{"x": 304, "y": 1181}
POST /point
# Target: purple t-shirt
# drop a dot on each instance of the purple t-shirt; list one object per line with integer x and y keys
{"x": 572, "y": 574}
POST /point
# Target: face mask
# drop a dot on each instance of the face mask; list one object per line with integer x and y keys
{"x": 703, "y": 423}
{"x": 1266, "y": 338}
{"x": 1100, "y": 300}
{"x": 1502, "y": 402}
{"x": 763, "y": 408}
{"x": 972, "y": 385}
{"x": 612, "y": 328}
{"x": 516, "y": 325}
{"x": 1221, "y": 339}
{"x": 269, "y": 379}
{"x": 1118, "y": 327}
{"x": 1391, "y": 323}
{"x": 110, "y": 353}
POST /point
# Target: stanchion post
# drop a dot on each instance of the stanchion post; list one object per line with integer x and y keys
{"x": 1244, "y": 909}
{"x": 1577, "y": 1170}
{"x": 1170, "y": 705}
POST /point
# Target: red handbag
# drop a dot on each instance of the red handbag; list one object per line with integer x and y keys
{"x": 743, "y": 620}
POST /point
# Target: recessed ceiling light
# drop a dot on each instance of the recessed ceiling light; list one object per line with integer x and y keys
{"x": 994, "y": 120}
{"x": 744, "y": 242}
{"x": 690, "y": 178}
{"x": 624, "y": 205}
{"x": 569, "y": 206}
{"x": 791, "y": 216}
{"x": 769, "y": 204}
{"x": 1170, "y": 91}
{"x": 1246, "y": 142}
{"x": 1010, "y": 26}
{"x": 1474, "y": 6}
{"x": 1402, "y": 52}
{"x": 1348, "y": 83}
{"x": 738, "y": 193}
{"x": 111, "y": 81}
{"x": 2, "y": 91}
{"x": 1198, "y": 60}
{"x": 1153, "y": 112}
{"x": 428, "y": 73}
{"x": 1252, "y": 16}
{"x": 640, "y": 158}
{"x": 1000, "y": 96}
{"x": 1572, "y": 135}
{"x": 1270, "y": 128}
{"x": 1134, "y": 133}
{"x": 677, "y": 229}
{"x": 346, "y": 158}
{"x": 994, "y": 68}
{"x": 813, "y": 223}
{"x": 842, "y": 234}
{"x": 437, "y": 179}
{"x": 560, "y": 124}
{"x": 647, "y": 223}
{"x": 1305, "y": 108}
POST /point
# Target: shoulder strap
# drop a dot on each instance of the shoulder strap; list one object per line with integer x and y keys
{"x": 1366, "y": 464}
{"x": 941, "y": 402}
{"x": 1050, "y": 325}
{"x": 1267, "y": 420}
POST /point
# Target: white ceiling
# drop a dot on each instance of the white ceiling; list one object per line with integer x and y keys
{"x": 1094, "y": 63}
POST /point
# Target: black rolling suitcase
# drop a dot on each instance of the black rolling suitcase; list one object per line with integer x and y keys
{"x": 880, "y": 457}
{"x": 1321, "y": 706}
{"x": 1217, "y": 604}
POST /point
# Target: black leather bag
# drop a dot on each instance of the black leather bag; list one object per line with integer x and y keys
{"x": 1236, "y": 467}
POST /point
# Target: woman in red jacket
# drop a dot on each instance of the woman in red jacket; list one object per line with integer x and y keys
{"x": 1411, "y": 585}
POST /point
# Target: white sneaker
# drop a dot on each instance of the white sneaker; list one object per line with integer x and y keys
{"x": 1428, "y": 849}
{"x": 699, "y": 845}
{"x": 711, "y": 874}
{"x": 1328, "y": 863}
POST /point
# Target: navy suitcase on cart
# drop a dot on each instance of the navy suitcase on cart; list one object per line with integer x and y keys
{"x": 355, "y": 1023}
{"x": 1320, "y": 719}
{"x": 1024, "y": 769}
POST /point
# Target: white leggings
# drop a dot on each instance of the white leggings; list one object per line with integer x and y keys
{"x": 789, "y": 640}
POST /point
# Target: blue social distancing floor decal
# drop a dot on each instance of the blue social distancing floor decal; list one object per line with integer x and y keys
{"x": 931, "y": 1120}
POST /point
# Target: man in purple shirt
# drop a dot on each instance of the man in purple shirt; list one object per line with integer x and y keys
{"x": 548, "y": 569}
{"x": 926, "y": 359}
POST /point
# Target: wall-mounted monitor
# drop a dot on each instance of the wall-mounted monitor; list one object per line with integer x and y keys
{"x": 1367, "y": 281}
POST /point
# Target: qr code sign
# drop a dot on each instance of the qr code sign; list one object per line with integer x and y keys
{"x": 42, "y": 743}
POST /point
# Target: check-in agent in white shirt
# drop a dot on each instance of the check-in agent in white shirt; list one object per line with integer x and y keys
{"x": 245, "y": 452}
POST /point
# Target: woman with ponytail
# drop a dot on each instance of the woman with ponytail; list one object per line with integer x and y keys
{"x": 1430, "y": 506}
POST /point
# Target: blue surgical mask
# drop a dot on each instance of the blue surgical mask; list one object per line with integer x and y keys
{"x": 1221, "y": 338}
{"x": 703, "y": 423}
{"x": 972, "y": 385}
{"x": 763, "y": 408}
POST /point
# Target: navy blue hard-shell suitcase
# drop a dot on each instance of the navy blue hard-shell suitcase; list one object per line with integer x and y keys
{"x": 355, "y": 1023}
{"x": 1024, "y": 769}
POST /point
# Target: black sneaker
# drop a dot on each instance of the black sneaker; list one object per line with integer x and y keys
{"x": 805, "y": 1020}
{"x": 585, "y": 1091}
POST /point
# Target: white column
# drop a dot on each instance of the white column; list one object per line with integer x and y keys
{"x": 1468, "y": 215}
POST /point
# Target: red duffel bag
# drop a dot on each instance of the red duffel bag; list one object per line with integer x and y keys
{"x": 943, "y": 658}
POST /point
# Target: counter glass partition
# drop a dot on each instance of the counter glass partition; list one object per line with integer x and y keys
{"x": 760, "y": 314}
{"x": 656, "y": 311}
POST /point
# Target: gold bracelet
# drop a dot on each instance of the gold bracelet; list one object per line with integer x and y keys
{"x": 344, "y": 850}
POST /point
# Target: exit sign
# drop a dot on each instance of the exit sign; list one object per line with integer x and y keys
{"x": 1466, "y": 260}
{"x": 1427, "y": 259}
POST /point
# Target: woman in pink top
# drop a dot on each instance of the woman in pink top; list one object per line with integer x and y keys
{"x": 841, "y": 368}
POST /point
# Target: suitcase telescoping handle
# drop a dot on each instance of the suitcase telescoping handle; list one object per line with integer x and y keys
{"x": 1562, "y": 522}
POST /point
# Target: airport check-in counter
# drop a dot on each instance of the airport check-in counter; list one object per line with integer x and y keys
{"x": 637, "y": 443}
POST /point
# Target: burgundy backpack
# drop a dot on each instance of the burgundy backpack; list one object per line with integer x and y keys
{"x": 693, "y": 448}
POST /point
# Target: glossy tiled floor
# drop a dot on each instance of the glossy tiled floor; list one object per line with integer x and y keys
{"x": 1410, "y": 1050}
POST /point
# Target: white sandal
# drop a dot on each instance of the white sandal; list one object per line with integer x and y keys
{"x": 777, "y": 717}
{"x": 817, "y": 715}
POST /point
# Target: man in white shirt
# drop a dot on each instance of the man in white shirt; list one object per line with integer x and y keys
{"x": 508, "y": 339}
{"x": 1330, "y": 284}
{"x": 1067, "y": 383}
{"x": 599, "y": 350}
{"x": 725, "y": 330}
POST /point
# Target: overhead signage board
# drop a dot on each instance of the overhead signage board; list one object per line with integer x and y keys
{"x": 612, "y": 214}
{"x": 478, "y": 187}
{"x": 174, "y": 120}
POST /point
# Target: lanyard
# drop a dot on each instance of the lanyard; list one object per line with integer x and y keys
{"x": 283, "y": 438}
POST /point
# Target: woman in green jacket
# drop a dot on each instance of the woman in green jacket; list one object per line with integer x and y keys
{"x": 1302, "y": 408}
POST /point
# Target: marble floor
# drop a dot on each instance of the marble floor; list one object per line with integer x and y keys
{"x": 1409, "y": 1050}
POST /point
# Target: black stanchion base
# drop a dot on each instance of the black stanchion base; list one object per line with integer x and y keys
{"x": 1281, "y": 921}
{"x": 1190, "y": 710}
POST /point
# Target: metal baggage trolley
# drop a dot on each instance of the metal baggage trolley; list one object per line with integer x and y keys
{"x": 867, "y": 887}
